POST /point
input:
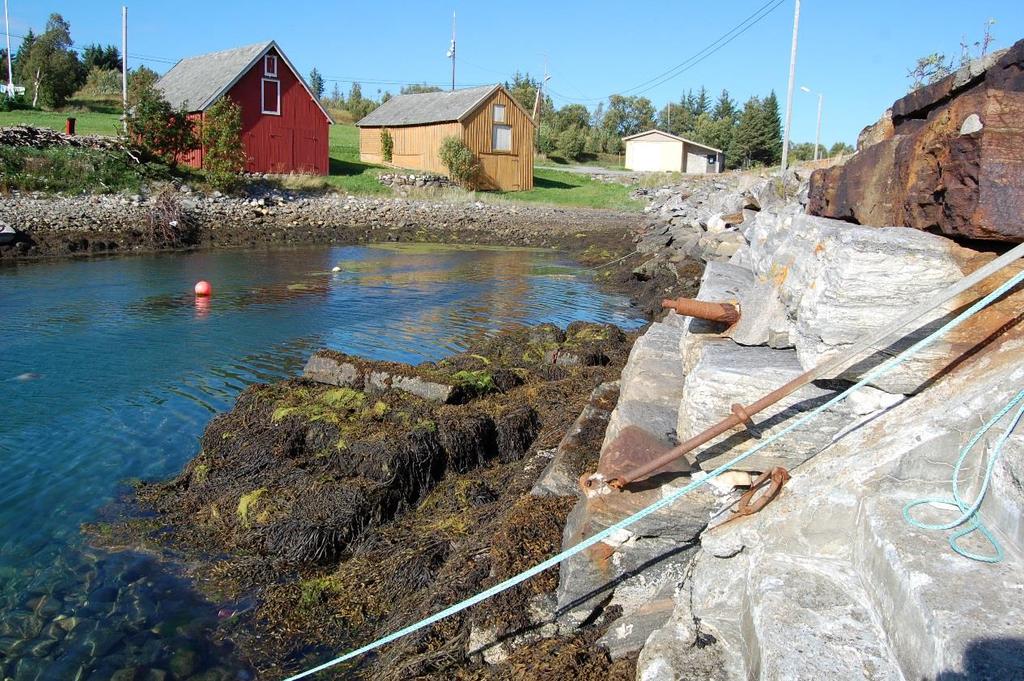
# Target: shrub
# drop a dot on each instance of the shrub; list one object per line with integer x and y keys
{"x": 459, "y": 160}
{"x": 387, "y": 145}
{"x": 101, "y": 83}
{"x": 170, "y": 225}
{"x": 546, "y": 138}
{"x": 224, "y": 155}
{"x": 74, "y": 170}
{"x": 571, "y": 142}
{"x": 161, "y": 131}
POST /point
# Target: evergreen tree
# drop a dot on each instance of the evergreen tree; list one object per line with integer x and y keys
{"x": 744, "y": 145}
{"x": 714, "y": 133}
{"x": 355, "y": 96}
{"x": 725, "y": 108}
{"x": 21, "y": 56}
{"x": 757, "y": 139}
{"x": 316, "y": 83}
{"x": 690, "y": 103}
{"x": 523, "y": 89}
{"x": 336, "y": 94}
{"x": 702, "y": 103}
{"x": 771, "y": 131}
{"x": 97, "y": 56}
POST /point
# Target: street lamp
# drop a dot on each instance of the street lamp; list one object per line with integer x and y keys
{"x": 817, "y": 134}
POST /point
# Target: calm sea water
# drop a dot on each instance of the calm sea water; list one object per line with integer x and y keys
{"x": 110, "y": 370}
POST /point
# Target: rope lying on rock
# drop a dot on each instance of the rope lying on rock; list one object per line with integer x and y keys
{"x": 672, "y": 497}
{"x": 969, "y": 516}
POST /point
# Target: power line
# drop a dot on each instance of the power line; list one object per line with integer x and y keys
{"x": 723, "y": 40}
{"x": 373, "y": 81}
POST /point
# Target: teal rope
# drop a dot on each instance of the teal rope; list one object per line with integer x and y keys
{"x": 585, "y": 544}
{"x": 969, "y": 516}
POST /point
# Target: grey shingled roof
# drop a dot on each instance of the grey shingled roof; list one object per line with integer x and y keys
{"x": 427, "y": 107}
{"x": 195, "y": 83}
{"x": 668, "y": 134}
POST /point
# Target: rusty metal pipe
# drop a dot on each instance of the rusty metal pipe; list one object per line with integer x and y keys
{"x": 702, "y": 309}
{"x": 723, "y": 426}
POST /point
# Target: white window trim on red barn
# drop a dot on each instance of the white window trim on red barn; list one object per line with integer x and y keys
{"x": 267, "y": 71}
{"x": 263, "y": 97}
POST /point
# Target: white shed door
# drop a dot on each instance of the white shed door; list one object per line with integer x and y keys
{"x": 654, "y": 156}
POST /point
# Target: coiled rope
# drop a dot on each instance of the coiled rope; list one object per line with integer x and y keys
{"x": 672, "y": 497}
{"x": 970, "y": 517}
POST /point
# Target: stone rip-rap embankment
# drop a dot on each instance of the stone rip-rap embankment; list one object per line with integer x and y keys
{"x": 828, "y": 580}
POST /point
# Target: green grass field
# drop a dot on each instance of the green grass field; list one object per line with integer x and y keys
{"x": 349, "y": 175}
{"x": 86, "y": 123}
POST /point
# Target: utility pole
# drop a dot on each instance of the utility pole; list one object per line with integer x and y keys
{"x": 538, "y": 102}
{"x": 10, "y": 69}
{"x": 789, "y": 89}
{"x": 817, "y": 133}
{"x": 124, "y": 68}
{"x": 451, "y": 51}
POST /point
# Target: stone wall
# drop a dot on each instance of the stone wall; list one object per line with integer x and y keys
{"x": 426, "y": 181}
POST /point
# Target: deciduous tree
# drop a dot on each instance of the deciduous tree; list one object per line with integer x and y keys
{"x": 161, "y": 131}
{"x": 223, "y": 150}
{"x": 628, "y": 115}
{"x": 50, "y": 68}
{"x": 418, "y": 88}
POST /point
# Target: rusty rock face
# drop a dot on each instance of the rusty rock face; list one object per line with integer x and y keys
{"x": 951, "y": 160}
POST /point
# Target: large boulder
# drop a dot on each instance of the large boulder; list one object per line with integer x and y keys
{"x": 839, "y": 282}
{"x": 951, "y": 161}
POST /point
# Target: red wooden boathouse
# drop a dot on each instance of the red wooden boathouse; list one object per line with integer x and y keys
{"x": 284, "y": 127}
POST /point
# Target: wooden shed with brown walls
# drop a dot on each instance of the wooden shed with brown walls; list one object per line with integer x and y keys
{"x": 496, "y": 128}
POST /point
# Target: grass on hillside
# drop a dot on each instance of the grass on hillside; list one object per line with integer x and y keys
{"x": 561, "y": 188}
{"x": 74, "y": 170}
{"x": 86, "y": 122}
{"x": 610, "y": 161}
{"x": 350, "y": 175}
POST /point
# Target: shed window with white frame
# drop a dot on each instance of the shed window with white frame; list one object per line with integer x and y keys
{"x": 501, "y": 138}
{"x": 271, "y": 96}
{"x": 270, "y": 66}
{"x": 499, "y": 113}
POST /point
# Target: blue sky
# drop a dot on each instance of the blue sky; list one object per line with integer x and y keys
{"x": 856, "y": 53}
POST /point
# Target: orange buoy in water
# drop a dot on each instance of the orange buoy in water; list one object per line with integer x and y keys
{"x": 203, "y": 288}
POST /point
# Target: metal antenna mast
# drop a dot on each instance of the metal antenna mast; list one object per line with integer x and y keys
{"x": 451, "y": 51}
{"x": 124, "y": 68}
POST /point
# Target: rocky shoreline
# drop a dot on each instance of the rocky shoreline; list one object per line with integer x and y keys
{"x": 113, "y": 224}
